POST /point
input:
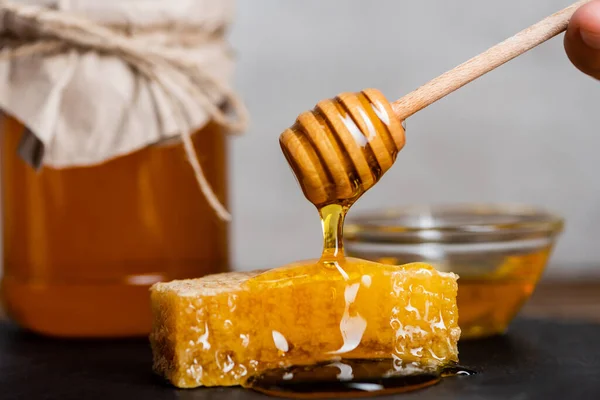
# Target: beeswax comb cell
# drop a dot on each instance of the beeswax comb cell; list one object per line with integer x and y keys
{"x": 343, "y": 146}
{"x": 220, "y": 330}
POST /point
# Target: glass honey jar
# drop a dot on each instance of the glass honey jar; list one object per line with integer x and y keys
{"x": 83, "y": 245}
{"x": 86, "y": 234}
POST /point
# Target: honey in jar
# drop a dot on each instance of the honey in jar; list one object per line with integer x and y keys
{"x": 83, "y": 245}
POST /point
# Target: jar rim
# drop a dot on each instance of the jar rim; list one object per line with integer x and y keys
{"x": 452, "y": 222}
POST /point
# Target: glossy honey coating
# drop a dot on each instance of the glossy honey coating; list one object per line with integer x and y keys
{"x": 343, "y": 146}
{"x": 224, "y": 329}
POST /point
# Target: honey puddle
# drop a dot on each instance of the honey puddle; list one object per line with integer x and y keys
{"x": 349, "y": 365}
{"x": 350, "y": 378}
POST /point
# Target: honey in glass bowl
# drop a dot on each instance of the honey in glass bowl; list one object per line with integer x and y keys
{"x": 499, "y": 252}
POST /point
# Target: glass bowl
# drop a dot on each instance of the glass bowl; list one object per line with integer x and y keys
{"x": 499, "y": 252}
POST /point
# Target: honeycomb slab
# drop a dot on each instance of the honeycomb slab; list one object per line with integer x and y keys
{"x": 220, "y": 330}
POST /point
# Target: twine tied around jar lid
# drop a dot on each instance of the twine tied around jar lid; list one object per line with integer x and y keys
{"x": 28, "y": 30}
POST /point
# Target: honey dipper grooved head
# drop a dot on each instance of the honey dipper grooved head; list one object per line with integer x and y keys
{"x": 343, "y": 146}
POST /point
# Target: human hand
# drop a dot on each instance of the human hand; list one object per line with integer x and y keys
{"x": 582, "y": 40}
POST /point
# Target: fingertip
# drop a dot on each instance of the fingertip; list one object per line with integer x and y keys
{"x": 587, "y": 20}
{"x": 582, "y": 39}
{"x": 587, "y": 17}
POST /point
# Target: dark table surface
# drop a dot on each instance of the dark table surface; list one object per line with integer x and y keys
{"x": 537, "y": 359}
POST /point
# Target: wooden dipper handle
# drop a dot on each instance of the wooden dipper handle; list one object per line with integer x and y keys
{"x": 477, "y": 66}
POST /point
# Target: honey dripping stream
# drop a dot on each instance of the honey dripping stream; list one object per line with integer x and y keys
{"x": 330, "y": 375}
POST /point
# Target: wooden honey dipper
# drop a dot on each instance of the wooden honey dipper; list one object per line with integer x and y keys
{"x": 344, "y": 145}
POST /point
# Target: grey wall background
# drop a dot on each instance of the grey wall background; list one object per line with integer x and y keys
{"x": 527, "y": 132}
